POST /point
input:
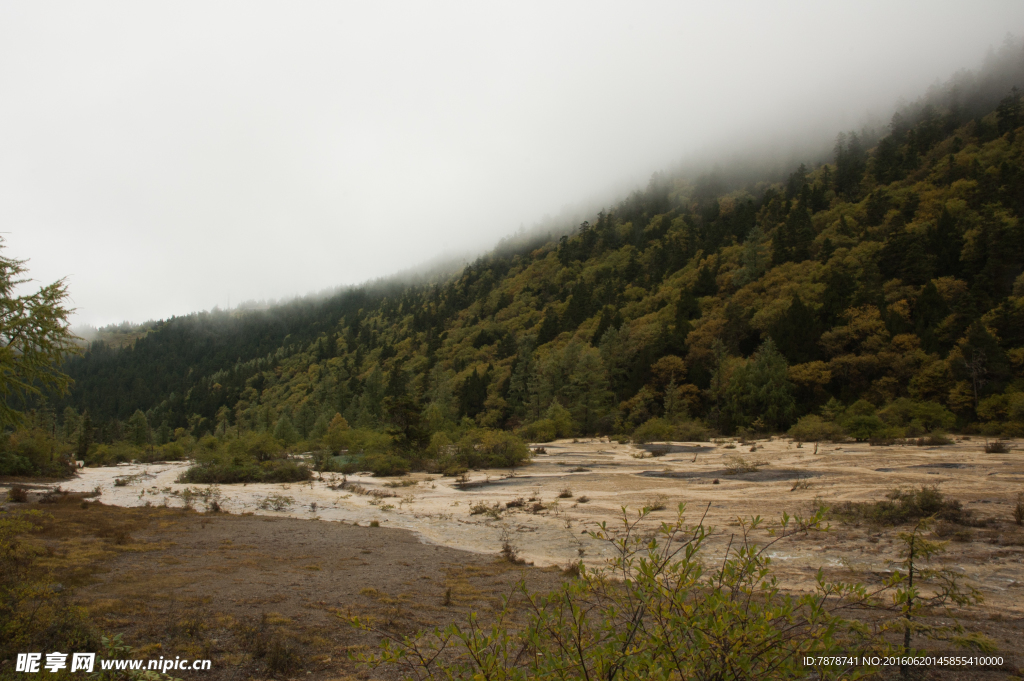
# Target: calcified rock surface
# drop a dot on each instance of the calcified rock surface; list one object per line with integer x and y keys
{"x": 603, "y": 477}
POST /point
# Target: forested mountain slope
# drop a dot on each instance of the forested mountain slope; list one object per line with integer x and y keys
{"x": 883, "y": 290}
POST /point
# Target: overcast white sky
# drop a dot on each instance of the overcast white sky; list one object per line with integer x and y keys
{"x": 170, "y": 157}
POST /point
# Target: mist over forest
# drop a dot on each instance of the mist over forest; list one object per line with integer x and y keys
{"x": 875, "y": 290}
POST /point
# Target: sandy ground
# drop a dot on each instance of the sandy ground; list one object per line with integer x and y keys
{"x": 607, "y": 476}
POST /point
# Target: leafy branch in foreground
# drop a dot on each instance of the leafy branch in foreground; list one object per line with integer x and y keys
{"x": 658, "y": 611}
{"x": 663, "y": 609}
{"x": 35, "y": 335}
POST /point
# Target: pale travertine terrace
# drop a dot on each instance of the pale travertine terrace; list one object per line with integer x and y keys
{"x": 439, "y": 511}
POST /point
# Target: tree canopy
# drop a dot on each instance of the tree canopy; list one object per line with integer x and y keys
{"x": 35, "y": 337}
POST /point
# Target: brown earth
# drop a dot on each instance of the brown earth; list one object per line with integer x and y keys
{"x": 263, "y": 597}
{"x": 308, "y": 575}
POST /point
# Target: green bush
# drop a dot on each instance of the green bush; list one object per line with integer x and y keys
{"x": 916, "y": 418}
{"x": 253, "y": 457}
{"x": 561, "y": 418}
{"x": 384, "y": 465}
{"x": 112, "y": 454}
{"x": 662, "y": 430}
{"x": 33, "y": 451}
{"x": 256, "y": 446}
{"x": 904, "y": 506}
{"x": 544, "y": 430}
{"x": 361, "y": 441}
{"x": 660, "y": 611}
{"x": 497, "y": 449}
{"x": 812, "y": 428}
{"x": 172, "y": 451}
{"x": 861, "y": 422}
{"x": 654, "y": 430}
{"x": 691, "y": 431}
{"x": 226, "y": 473}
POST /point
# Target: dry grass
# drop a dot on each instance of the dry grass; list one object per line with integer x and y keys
{"x": 658, "y": 502}
{"x": 168, "y": 553}
{"x": 902, "y": 506}
{"x": 735, "y": 465}
{"x": 401, "y": 483}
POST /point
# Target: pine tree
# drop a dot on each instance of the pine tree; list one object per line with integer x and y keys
{"x": 589, "y": 391}
{"x": 550, "y": 327}
{"x": 35, "y": 339}
{"x": 285, "y": 431}
{"x": 138, "y": 429}
{"x": 761, "y": 390}
{"x": 796, "y": 333}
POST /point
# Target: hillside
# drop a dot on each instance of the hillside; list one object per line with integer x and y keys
{"x": 881, "y": 293}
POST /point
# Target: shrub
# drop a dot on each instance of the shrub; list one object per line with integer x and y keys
{"x": 904, "y": 506}
{"x": 996, "y": 447}
{"x": 257, "y": 446}
{"x": 661, "y": 430}
{"x": 509, "y": 551}
{"x": 35, "y": 612}
{"x": 934, "y": 440}
{"x": 283, "y": 657}
{"x": 18, "y": 494}
{"x": 112, "y": 454}
{"x": 735, "y": 465}
{"x": 226, "y": 473}
{"x": 364, "y": 441}
{"x": 565, "y": 494}
{"x": 561, "y": 418}
{"x": 863, "y": 426}
{"x": 916, "y": 418}
{"x": 658, "y": 611}
{"x": 172, "y": 451}
{"x": 485, "y": 448}
{"x": 276, "y": 502}
{"x": 691, "y": 431}
{"x": 335, "y": 437}
{"x": 541, "y": 431}
{"x": 654, "y": 430}
{"x": 385, "y": 465}
{"x": 34, "y": 451}
{"x": 812, "y": 428}
{"x": 501, "y": 449}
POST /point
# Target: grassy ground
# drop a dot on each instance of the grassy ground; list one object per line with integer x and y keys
{"x": 262, "y": 597}
{"x": 271, "y": 597}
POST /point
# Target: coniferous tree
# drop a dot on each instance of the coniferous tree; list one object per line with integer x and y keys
{"x": 796, "y": 333}
{"x": 761, "y": 389}
{"x": 550, "y": 327}
{"x": 138, "y": 428}
{"x": 285, "y": 431}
